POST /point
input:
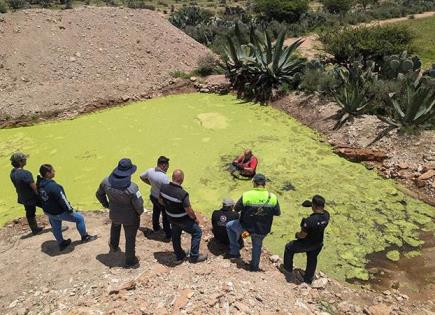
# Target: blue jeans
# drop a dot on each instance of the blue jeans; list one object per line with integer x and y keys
{"x": 56, "y": 223}
{"x": 189, "y": 226}
{"x": 235, "y": 229}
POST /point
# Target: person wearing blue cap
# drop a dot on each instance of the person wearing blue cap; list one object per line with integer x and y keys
{"x": 57, "y": 207}
{"x": 125, "y": 203}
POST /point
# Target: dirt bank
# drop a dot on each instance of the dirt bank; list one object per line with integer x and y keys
{"x": 85, "y": 279}
{"x": 62, "y": 61}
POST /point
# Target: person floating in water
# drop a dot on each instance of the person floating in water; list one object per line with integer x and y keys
{"x": 245, "y": 165}
{"x": 26, "y": 189}
{"x": 309, "y": 240}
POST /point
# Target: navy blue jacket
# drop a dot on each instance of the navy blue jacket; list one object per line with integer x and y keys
{"x": 53, "y": 197}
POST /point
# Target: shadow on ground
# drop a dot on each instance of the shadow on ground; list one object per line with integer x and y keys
{"x": 112, "y": 259}
{"x": 166, "y": 258}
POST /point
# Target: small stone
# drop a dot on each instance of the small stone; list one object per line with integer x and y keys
{"x": 13, "y": 304}
{"x": 319, "y": 283}
{"x": 378, "y": 309}
{"x": 72, "y": 59}
{"x": 193, "y": 79}
{"x": 403, "y": 165}
{"x": 78, "y": 55}
{"x": 129, "y": 285}
{"x": 274, "y": 259}
{"x": 420, "y": 183}
{"x": 427, "y": 175}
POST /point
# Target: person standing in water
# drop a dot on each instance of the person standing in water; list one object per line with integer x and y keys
{"x": 57, "y": 207}
{"x": 26, "y": 189}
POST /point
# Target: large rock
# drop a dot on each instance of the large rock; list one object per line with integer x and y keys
{"x": 361, "y": 154}
{"x": 378, "y": 309}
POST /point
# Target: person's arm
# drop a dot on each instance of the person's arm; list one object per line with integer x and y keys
{"x": 144, "y": 178}
{"x": 277, "y": 209}
{"x": 137, "y": 202}
{"x": 252, "y": 165}
{"x": 188, "y": 207}
{"x": 304, "y": 229}
{"x": 239, "y": 205}
{"x": 102, "y": 197}
{"x": 63, "y": 202}
{"x": 34, "y": 188}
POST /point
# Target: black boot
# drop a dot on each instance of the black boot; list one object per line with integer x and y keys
{"x": 34, "y": 225}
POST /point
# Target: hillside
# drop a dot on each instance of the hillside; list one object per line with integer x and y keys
{"x": 85, "y": 279}
{"x": 57, "y": 61}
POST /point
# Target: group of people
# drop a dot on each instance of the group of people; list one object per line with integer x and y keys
{"x": 252, "y": 215}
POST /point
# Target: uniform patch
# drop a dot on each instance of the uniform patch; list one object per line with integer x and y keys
{"x": 138, "y": 194}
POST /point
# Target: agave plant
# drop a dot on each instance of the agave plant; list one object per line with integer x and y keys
{"x": 259, "y": 67}
{"x": 415, "y": 109}
{"x": 352, "y": 96}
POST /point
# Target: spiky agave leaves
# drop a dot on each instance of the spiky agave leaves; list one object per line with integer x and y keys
{"x": 257, "y": 68}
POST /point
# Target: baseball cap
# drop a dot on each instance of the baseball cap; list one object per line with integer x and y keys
{"x": 259, "y": 179}
{"x": 228, "y": 202}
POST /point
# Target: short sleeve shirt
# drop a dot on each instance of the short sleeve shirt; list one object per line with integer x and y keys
{"x": 315, "y": 226}
{"x": 157, "y": 178}
{"x": 22, "y": 180}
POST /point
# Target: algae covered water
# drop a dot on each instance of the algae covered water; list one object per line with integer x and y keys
{"x": 201, "y": 133}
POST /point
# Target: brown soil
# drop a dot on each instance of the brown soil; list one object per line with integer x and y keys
{"x": 52, "y": 62}
{"x": 86, "y": 279}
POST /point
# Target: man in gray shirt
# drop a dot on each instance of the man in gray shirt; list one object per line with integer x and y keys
{"x": 156, "y": 177}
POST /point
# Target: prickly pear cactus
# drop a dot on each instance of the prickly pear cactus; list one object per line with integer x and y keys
{"x": 402, "y": 64}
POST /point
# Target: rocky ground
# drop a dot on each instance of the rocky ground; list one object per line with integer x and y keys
{"x": 86, "y": 279}
{"x": 63, "y": 62}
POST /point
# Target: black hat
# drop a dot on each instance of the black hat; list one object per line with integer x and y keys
{"x": 259, "y": 179}
{"x": 162, "y": 160}
{"x": 125, "y": 168}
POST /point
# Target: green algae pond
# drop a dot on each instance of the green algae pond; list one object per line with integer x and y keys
{"x": 201, "y": 133}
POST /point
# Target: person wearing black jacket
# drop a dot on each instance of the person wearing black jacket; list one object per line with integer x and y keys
{"x": 57, "y": 207}
{"x": 122, "y": 197}
{"x": 310, "y": 239}
{"x": 220, "y": 218}
{"x": 26, "y": 189}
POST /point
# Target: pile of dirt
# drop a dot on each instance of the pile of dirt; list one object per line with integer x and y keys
{"x": 86, "y": 279}
{"x": 64, "y": 61}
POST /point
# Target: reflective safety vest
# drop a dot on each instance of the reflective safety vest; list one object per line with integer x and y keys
{"x": 259, "y": 207}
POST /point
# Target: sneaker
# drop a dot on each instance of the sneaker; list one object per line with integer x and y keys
{"x": 88, "y": 238}
{"x": 133, "y": 264}
{"x": 231, "y": 256}
{"x": 64, "y": 244}
{"x": 197, "y": 259}
{"x": 37, "y": 230}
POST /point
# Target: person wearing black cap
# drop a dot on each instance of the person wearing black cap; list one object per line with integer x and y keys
{"x": 310, "y": 239}
{"x": 156, "y": 177}
{"x": 122, "y": 197}
{"x": 26, "y": 189}
{"x": 257, "y": 207}
{"x": 57, "y": 207}
{"x": 182, "y": 218}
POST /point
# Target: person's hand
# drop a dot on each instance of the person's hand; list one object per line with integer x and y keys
{"x": 196, "y": 220}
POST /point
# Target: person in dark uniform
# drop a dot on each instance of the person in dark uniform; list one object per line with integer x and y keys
{"x": 220, "y": 218}
{"x": 26, "y": 189}
{"x": 182, "y": 218}
{"x": 310, "y": 239}
{"x": 57, "y": 207}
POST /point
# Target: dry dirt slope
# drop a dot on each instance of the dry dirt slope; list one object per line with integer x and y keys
{"x": 37, "y": 279}
{"x": 62, "y": 60}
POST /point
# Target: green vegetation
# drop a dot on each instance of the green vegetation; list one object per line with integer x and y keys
{"x": 281, "y": 10}
{"x": 337, "y": 6}
{"x": 203, "y": 132}
{"x": 370, "y": 43}
{"x": 3, "y": 6}
{"x": 424, "y": 41}
{"x": 259, "y": 67}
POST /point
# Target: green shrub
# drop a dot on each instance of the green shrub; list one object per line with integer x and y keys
{"x": 370, "y": 43}
{"x": 138, "y": 4}
{"x": 337, "y": 6}
{"x": 3, "y": 6}
{"x": 190, "y": 16}
{"x": 208, "y": 65}
{"x": 18, "y": 4}
{"x": 366, "y": 3}
{"x": 281, "y": 10}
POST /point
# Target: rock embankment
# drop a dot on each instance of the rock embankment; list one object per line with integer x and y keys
{"x": 52, "y": 62}
{"x": 86, "y": 279}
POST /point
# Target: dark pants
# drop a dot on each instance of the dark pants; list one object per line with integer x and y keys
{"x": 130, "y": 232}
{"x": 299, "y": 247}
{"x": 189, "y": 226}
{"x": 31, "y": 217}
{"x": 157, "y": 209}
